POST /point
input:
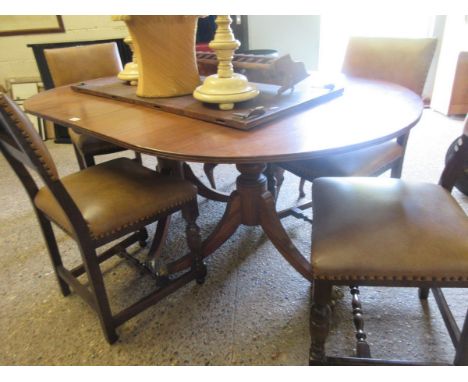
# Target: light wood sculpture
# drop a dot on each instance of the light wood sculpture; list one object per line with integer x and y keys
{"x": 226, "y": 87}
{"x": 165, "y": 50}
{"x": 130, "y": 72}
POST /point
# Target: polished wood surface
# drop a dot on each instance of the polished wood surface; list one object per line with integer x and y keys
{"x": 272, "y": 105}
{"x": 346, "y": 123}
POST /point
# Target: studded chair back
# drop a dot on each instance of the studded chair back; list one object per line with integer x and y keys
{"x": 19, "y": 137}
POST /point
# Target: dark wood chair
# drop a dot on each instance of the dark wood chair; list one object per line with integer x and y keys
{"x": 96, "y": 206}
{"x": 402, "y": 61}
{"x": 80, "y": 63}
{"x": 388, "y": 232}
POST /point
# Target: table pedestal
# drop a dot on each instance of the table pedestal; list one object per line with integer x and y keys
{"x": 251, "y": 204}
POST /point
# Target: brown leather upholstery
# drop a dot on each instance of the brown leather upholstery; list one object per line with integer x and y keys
{"x": 387, "y": 229}
{"x": 80, "y": 63}
{"x": 91, "y": 145}
{"x": 402, "y": 61}
{"x": 27, "y": 130}
{"x": 108, "y": 204}
{"x": 357, "y": 163}
{"x": 115, "y": 195}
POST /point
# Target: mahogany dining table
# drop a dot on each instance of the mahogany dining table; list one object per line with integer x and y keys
{"x": 367, "y": 113}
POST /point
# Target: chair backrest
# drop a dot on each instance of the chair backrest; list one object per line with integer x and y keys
{"x": 22, "y": 147}
{"x": 21, "y": 140}
{"x": 403, "y": 61}
{"x": 83, "y": 62}
{"x": 455, "y": 165}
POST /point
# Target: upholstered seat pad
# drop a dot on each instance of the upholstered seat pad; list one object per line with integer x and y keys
{"x": 90, "y": 145}
{"x": 363, "y": 162}
{"x": 116, "y": 194}
{"x": 374, "y": 228}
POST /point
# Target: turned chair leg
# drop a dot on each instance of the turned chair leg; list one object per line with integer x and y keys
{"x": 362, "y": 347}
{"x": 319, "y": 321}
{"x": 190, "y": 214}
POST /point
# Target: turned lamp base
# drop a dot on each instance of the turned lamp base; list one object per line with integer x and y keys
{"x": 130, "y": 73}
{"x": 225, "y": 91}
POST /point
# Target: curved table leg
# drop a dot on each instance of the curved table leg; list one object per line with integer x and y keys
{"x": 252, "y": 205}
{"x": 208, "y": 168}
{"x": 203, "y": 190}
{"x": 275, "y": 231}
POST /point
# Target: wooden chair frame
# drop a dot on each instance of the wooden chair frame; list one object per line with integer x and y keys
{"x": 20, "y": 154}
{"x": 321, "y": 312}
{"x": 394, "y": 166}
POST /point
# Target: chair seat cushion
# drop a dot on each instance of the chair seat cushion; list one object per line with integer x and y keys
{"x": 365, "y": 162}
{"x": 387, "y": 229}
{"x": 90, "y": 145}
{"x": 116, "y": 194}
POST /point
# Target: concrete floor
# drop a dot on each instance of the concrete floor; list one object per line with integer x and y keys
{"x": 252, "y": 310}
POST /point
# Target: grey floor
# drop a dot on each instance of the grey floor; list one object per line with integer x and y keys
{"x": 252, "y": 310}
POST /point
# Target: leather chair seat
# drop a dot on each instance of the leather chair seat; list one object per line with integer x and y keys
{"x": 387, "y": 229}
{"x": 115, "y": 195}
{"x": 356, "y": 163}
{"x": 91, "y": 145}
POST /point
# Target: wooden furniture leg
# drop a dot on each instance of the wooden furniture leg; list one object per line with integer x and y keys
{"x": 275, "y": 231}
{"x": 208, "y": 168}
{"x": 203, "y": 190}
{"x": 319, "y": 322}
{"x": 362, "y": 347}
{"x": 251, "y": 204}
{"x": 301, "y": 188}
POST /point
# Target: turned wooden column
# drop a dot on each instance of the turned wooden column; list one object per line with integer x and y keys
{"x": 251, "y": 184}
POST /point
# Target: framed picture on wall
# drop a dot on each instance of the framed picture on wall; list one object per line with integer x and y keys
{"x": 21, "y": 25}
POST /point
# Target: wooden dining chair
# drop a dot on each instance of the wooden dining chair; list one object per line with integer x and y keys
{"x": 391, "y": 233}
{"x": 80, "y": 63}
{"x": 98, "y": 205}
{"x": 402, "y": 61}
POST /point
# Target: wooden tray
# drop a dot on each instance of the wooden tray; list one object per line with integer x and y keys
{"x": 306, "y": 94}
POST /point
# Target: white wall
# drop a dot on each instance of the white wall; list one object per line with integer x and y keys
{"x": 454, "y": 39}
{"x": 17, "y": 60}
{"x": 297, "y": 35}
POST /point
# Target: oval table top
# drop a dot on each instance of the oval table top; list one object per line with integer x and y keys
{"x": 367, "y": 113}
